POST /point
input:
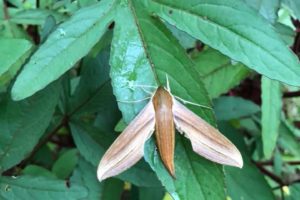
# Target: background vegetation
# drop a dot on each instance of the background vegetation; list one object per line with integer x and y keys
{"x": 64, "y": 64}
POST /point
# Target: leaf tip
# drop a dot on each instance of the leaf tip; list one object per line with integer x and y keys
{"x": 15, "y": 95}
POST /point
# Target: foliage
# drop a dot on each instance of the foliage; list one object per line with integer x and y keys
{"x": 73, "y": 74}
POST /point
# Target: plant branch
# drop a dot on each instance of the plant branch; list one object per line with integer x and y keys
{"x": 43, "y": 141}
{"x": 271, "y": 162}
{"x": 266, "y": 172}
{"x": 291, "y": 94}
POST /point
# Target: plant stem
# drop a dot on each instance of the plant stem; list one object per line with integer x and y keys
{"x": 5, "y": 10}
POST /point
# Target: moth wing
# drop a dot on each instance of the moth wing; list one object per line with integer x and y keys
{"x": 128, "y": 148}
{"x": 206, "y": 140}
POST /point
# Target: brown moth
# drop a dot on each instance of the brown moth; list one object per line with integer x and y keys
{"x": 161, "y": 113}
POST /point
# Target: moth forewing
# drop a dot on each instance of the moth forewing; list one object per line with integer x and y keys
{"x": 206, "y": 140}
{"x": 164, "y": 127}
{"x": 128, "y": 148}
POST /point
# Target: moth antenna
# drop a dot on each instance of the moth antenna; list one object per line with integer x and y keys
{"x": 192, "y": 103}
{"x": 135, "y": 101}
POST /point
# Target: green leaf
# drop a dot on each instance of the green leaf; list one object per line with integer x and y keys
{"x": 35, "y": 16}
{"x": 217, "y": 68}
{"x": 93, "y": 145}
{"x": 267, "y": 8}
{"x": 44, "y": 156}
{"x": 1, "y": 10}
{"x": 35, "y": 170}
{"x": 287, "y": 140}
{"x": 23, "y": 123}
{"x": 246, "y": 183}
{"x": 65, "y": 164}
{"x": 195, "y": 176}
{"x": 245, "y": 37}
{"x": 151, "y": 42}
{"x": 293, "y": 5}
{"x": 294, "y": 192}
{"x": 227, "y": 108}
{"x": 63, "y": 48}
{"x": 150, "y": 193}
{"x": 85, "y": 175}
{"x": 47, "y": 28}
{"x": 13, "y": 53}
{"x": 12, "y": 30}
{"x": 87, "y": 146}
{"x": 271, "y": 114}
{"x": 184, "y": 39}
{"x": 26, "y": 187}
{"x": 94, "y": 92}
{"x": 86, "y": 2}
{"x": 287, "y": 33}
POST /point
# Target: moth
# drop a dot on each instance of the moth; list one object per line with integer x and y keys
{"x": 162, "y": 114}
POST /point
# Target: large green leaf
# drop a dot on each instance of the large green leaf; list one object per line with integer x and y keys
{"x": 28, "y": 188}
{"x": 271, "y": 114}
{"x": 129, "y": 64}
{"x": 84, "y": 175}
{"x": 238, "y": 33}
{"x": 267, "y": 8}
{"x": 151, "y": 41}
{"x": 12, "y": 56}
{"x": 23, "y": 123}
{"x": 63, "y": 48}
{"x": 217, "y": 68}
{"x": 241, "y": 183}
{"x": 227, "y": 108}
